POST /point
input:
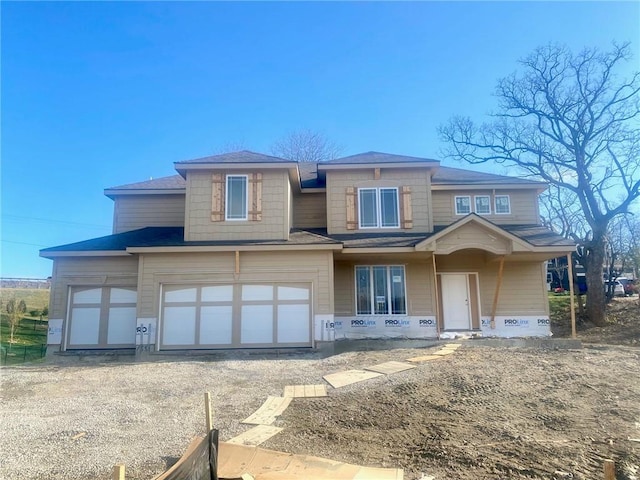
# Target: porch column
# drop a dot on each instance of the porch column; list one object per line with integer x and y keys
{"x": 435, "y": 289}
{"x": 573, "y": 310}
{"x": 497, "y": 293}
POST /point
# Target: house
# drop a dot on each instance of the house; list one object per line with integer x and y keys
{"x": 245, "y": 250}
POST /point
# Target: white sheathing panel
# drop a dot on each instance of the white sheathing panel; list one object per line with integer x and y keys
{"x": 54, "y": 331}
{"x": 256, "y": 324}
{"x": 293, "y": 293}
{"x": 517, "y": 326}
{"x": 293, "y": 323}
{"x": 216, "y": 325}
{"x": 217, "y": 293}
{"x": 85, "y": 326}
{"x": 257, "y": 292}
{"x": 93, "y": 295}
{"x": 146, "y": 331}
{"x": 122, "y": 325}
{"x": 324, "y": 328}
{"x": 385, "y": 327}
{"x": 180, "y": 295}
{"x": 179, "y": 326}
{"x": 123, "y": 295}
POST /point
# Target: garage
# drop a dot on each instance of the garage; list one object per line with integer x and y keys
{"x": 235, "y": 316}
{"x": 101, "y": 317}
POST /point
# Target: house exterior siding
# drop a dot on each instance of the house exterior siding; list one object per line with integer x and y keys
{"x": 131, "y": 212}
{"x": 310, "y": 210}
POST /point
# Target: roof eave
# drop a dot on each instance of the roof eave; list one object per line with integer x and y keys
{"x": 83, "y": 253}
{"x": 355, "y": 165}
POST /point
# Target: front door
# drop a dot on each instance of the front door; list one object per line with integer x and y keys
{"x": 455, "y": 301}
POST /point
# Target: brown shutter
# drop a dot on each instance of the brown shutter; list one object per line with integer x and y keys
{"x": 406, "y": 215}
{"x": 217, "y": 197}
{"x": 255, "y": 197}
{"x": 352, "y": 208}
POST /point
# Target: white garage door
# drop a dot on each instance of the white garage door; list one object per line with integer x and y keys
{"x": 232, "y": 316}
{"x": 102, "y": 317}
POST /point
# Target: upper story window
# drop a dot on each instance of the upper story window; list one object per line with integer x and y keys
{"x": 483, "y": 204}
{"x": 378, "y": 208}
{"x": 236, "y": 198}
{"x": 503, "y": 204}
{"x": 463, "y": 205}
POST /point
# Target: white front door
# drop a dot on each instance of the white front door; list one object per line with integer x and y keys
{"x": 455, "y": 301}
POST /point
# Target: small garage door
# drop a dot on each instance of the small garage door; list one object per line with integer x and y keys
{"x": 102, "y": 317}
{"x": 233, "y": 316}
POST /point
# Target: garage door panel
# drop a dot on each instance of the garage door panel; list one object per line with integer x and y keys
{"x": 256, "y": 324}
{"x": 293, "y": 293}
{"x": 122, "y": 326}
{"x": 293, "y": 324}
{"x": 85, "y": 326}
{"x": 218, "y": 293}
{"x": 257, "y": 292}
{"x": 216, "y": 325}
{"x": 93, "y": 295}
{"x": 181, "y": 295}
{"x": 179, "y": 326}
{"x": 123, "y": 295}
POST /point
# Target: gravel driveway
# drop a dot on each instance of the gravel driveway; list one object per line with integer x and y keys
{"x": 71, "y": 418}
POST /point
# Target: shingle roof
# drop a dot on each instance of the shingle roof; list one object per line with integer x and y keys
{"x": 174, "y": 237}
{"x": 243, "y": 156}
{"x": 377, "y": 157}
{"x": 309, "y": 177}
{"x": 456, "y": 176}
{"x": 538, "y": 235}
{"x": 173, "y": 182}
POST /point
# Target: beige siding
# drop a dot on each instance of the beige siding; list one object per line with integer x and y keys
{"x": 419, "y": 284}
{"x": 88, "y": 271}
{"x": 417, "y": 179}
{"x": 473, "y": 235}
{"x": 524, "y": 206}
{"x": 275, "y": 212}
{"x": 310, "y": 210}
{"x": 131, "y": 212}
{"x": 523, "y": 289}
{"x": 210, "y": 268}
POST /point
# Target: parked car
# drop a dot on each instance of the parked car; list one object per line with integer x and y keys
{"x": 628, "y": 285}
{"x": 618, "y": 288}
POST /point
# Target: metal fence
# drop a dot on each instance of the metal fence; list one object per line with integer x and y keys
{"x": 12, "y": 354}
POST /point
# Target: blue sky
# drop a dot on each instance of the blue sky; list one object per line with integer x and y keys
{"x": 95, "y": 94}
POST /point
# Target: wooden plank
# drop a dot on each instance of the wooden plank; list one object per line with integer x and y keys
{"x": 217, "y": 197}
{"x": 377, "y": 473}
{"x": 436, "y": 293}
{"x": 405, "y": 208}
{"x": 342, "y": 379}
{"x": 609, "y": 470}
{"x": 571, "y": 293}
{"x": 494, "y": 307}
{"x": 118, "y": 472}
{"x": 207, "y": 411}
{"x": 391, "y": 367}
{"x": 270, "y": 409}
{"x": 352, "y": 205}
{"x": 376, "y": 174}
{"x": 305, "y": 391}
{"x": 452, "y": 345}
{"x": 444, "y": 352}
{"x": 424, "y": 358}
{"x": 256, "y": 435}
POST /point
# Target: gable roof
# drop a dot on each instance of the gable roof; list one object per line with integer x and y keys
{"x": 243, "y": 156}
{"x": 371, "y": 158}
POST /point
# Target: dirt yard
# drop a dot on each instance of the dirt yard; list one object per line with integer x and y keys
{"x": 481, "y": 413}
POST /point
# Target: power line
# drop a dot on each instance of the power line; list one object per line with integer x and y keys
{"x": 49, "y": 220}
{"x": 23, "y": 243}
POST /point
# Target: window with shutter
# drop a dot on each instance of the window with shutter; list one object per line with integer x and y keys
{"x": 406, "y": 213}
{"x": 352, "y": 203}
{"x": 255, "y": 197}
{"x": 217, "y": 197}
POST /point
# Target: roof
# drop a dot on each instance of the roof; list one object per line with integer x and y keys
{"x": 370, "y": 158}
{"x": 243, "y": 156}
{"x": 173, "y": 182}
{"x": 456, "y": 176}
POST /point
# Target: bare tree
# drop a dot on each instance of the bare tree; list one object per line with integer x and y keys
{"x": 571, "y": 121}
{"x": 306, "y": 146}
{"x": 15, "y": 312}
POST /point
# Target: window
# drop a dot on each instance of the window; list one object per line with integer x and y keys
{"x": 503, "y": 205}
{"x": 378, "y": 208}
{"x": 380, "y": 290}
{"x": 483, "y": 204}
{"x": 463, "y": 205}
{"x": 236, "y": 200}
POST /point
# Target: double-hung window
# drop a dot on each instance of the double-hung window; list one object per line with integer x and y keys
{"x": 503, "y": 206}
{"x": 378, "y": 208}
{"x": 463, "y": 205}
{"x": 483, "y": 204}
{"x": 380, "y": 290}
{"x": 236, "y": 197}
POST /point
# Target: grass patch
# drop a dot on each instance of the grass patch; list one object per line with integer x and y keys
{"x": 30, "y": 336}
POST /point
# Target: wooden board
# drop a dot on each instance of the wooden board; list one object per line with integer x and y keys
{"x": 444, "y": 351}
{"x": 235, "y": 460}
{"x": 348, "y": 377}
{"x": 452, "y": 345}
{"x": 305, "y": 391}
{"x": 255, "y": 436}
{"x": 423, "y": 358}
{"x": 391, "y": 367}
{"x": 270, "y": 409}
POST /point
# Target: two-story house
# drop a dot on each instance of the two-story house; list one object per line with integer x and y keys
{"x": 245, "y": 250}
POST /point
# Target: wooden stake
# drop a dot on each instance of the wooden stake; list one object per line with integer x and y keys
{"x": 118, "y": 472}
{"x": 494, "y": 308}
{"x": 609, "y": 470}
{"x": 208, "y": 411}
{"x": 571, "y": 293}
{"x": 237, "y": 262}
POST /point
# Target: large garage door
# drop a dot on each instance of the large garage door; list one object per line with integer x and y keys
{"x": 231, "y": 316}
{"x": 102, "y": 317}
